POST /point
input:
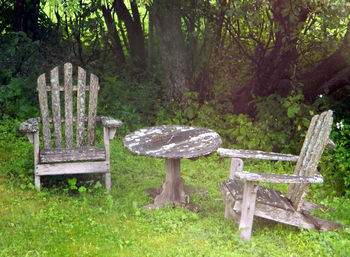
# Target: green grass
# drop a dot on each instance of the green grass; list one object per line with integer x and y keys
{"x": 59, "y": 221}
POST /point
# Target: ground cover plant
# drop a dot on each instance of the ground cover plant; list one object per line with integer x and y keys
{"x": 75, "y": 216}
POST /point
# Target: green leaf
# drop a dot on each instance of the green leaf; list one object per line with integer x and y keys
{"x": 82, "y": 189}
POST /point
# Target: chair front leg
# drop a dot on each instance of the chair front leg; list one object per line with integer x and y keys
{"x": 247, "y": 210}
{"x": 35, "y": 141}
{"x": 107, "y": 137}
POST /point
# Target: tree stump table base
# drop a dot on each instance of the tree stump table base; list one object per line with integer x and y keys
{"x": 172, "y": 142}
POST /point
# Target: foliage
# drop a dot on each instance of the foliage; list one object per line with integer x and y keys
{"x": 284, "y": 120}
{"x": 16, "y": 154}
{"x": 132, "y": 99}
{"x": 17, "y": 58}
{"x": 336, "y": 168}
{"x": 279, "y": 125}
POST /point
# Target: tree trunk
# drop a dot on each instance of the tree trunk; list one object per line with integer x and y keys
{"x": 113, "y": 34}
{"x": 167, "y": 21}
{"x": 150, "y": 49}
{"x": 26, "y": 15}
{"x": 18, "y": 15}
{"x": 134, "y": 30}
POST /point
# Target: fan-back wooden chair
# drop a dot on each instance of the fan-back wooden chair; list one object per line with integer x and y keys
{"x": 244, "y": 198}
{"x": 65, "y": 156}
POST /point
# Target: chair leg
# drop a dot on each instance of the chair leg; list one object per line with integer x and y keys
{"x": 37, "y": 182}
{"x": 230, "y": 214}
{"x": 247, "y": 210}
{"x": 108, "y": 181}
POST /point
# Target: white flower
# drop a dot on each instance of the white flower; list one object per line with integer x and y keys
{"x": 320, "y": 96}
{"x": 340, "y": 125}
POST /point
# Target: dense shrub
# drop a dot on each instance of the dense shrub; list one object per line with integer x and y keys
{"x": 17, "y": 87}
{"x": 336, "y": 167}
{"x": 16, "y": 153}
{"x": 280, "y": 124}
{"x": 134, "y": 99}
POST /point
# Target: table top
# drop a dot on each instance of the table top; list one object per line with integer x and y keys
{"x": 173, "y": 142}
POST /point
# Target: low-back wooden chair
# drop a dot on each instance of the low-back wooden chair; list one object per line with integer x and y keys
{"x": 244, "y": 198}
{"x": 58, "y": 156}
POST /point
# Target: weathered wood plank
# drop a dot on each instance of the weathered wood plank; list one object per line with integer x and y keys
{"x": 81, "y": 106}
{"x": 108, "y": 181}
{"x": 330, "y": 144}
{"x": 106, "y": 142}
{"x": 173, "y": 142}
{"x": 92, "y": 109}
{"x": 173, "y": 188}
{"x": 236, "y": 166}
{"x": 247, "y": 210}
{"x": 305, "y": 168}
{"x": 112, "y": 132}
{"x": 236, "y": 153}
{"x": 44, "y": 110}
{"x": 72, "y": 168}
{"x": 233, "y": 190}
{"x": 29, "y": 126}
{"x": 312, "y": 153}
{"x": 292, "y": 218}
{"x": 278, "y": 178}
{"x": 110, "y": 123}
{"x": 72, "y": 154}
{"x": 74, "y": 88}
{"x": 36, "y": 143}
{"x": 68, "y": 99}
{"x": 56, "y": 107}
{"x": 306, "y": 144}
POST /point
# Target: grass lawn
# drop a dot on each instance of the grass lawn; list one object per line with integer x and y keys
{"x": 61, "y": 221}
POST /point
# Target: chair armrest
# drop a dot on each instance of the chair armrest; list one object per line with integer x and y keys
{"x": 110, "y": 123}
{"x": 111, "y": 126}
{"x": 330, "y": 144}
{"x": 252, "y": 154}
{"x": 29, "y": 126}
{"x": 278, "y": 178}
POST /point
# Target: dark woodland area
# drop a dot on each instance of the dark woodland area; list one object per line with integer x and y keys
{"x": 254, "y": 71}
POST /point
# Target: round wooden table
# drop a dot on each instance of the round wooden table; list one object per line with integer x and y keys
{"x": 172, "y": 142}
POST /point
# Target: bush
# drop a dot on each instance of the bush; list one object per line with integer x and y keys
{"x": 132, "y": 99}
{"x": 17, "y": 89}
{"x": 284, "y": 120}
{"x": 16, "y": 153}
{"x": 280, "y": 124}
{"x": 336, "y": 168}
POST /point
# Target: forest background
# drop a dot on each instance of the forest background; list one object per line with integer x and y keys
{"x": 254, "y": 71}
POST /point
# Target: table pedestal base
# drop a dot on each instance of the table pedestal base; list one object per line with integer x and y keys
{"x": 173, "y": 188}
{"x": 173, "y": 191}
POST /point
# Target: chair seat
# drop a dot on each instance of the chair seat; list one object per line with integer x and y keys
{"x": 72, "y": 154}
{"x": 267, "y": 196}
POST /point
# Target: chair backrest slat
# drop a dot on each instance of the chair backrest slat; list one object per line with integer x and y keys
{"x": 56, "y": 107}
{"x": 92, "y": 108}
{"x": 306, "y": 146}
{"x": 70, "y": 93}
{"x": 44, "y": 110}
{"x": 68, "y": 100}
{"x": 310, "y": 155}
{"x": 81, "y": 106}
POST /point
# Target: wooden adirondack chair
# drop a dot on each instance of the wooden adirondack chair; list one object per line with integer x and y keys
{"x": 68, "y": 157}
{"x": 244, "y": 198}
